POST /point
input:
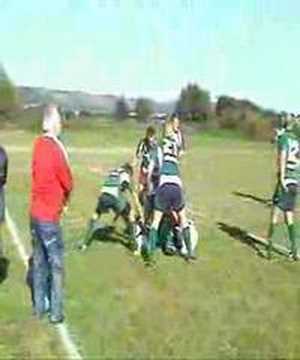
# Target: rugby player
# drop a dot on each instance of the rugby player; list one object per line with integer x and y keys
{"x": 112, "y": 198}
{"x": 144, "y": 152}
{"x": 288, "y": 173}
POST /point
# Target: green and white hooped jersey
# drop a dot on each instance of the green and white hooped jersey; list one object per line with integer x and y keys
{"x": 145, "y": 152}
{"x": 289, "y": 143}
{"x": 116, "y": 182}
{"x": 169, "y": 172}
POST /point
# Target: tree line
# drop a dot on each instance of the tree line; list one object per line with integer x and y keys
{"x": 194, "y": 104}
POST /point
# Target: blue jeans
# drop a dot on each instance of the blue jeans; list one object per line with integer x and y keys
{"x": 48, "y": 268}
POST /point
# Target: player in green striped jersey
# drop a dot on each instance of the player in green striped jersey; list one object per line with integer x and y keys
{"x": 288, "y": 172}
{"x": 112, "y": 198}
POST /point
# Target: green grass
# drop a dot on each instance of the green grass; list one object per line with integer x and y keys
{"x": 231, "y": 304}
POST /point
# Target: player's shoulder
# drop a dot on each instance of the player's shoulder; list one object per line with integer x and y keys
{"x": 283, "y": 139}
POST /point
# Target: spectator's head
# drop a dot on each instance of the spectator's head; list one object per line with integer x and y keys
{"x": 51, "y": 120}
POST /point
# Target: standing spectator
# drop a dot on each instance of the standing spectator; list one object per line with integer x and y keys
{"x": 3, "y": 177}
{"x": 51, "y": 187}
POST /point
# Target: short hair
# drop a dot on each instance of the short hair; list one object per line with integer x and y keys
{"x": 150, "y": 131}
{"x": 51, "y": 117}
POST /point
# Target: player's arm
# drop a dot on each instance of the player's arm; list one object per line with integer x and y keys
{"x": 136, "y": 205}
{"x": 149, "y": 175}
{"x": 135, "y": 201}
{"x": 138, "y": 152}
{"x": 137, "y": 160}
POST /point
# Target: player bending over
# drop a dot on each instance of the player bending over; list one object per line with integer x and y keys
{"x": 112, "y": 197}
{"x": 169, "y": 196}
{"x": 284, "y": 198}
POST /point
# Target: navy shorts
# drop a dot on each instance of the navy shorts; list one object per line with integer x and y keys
{"x": 285, "y": 200}
{"x": 108, "y": 202}
{"x": 169, "y": 197}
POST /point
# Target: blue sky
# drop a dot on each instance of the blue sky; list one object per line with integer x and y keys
{"x": 243, "y": 48}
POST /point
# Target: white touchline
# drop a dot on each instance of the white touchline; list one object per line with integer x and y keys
{"x": 61, "y": 328}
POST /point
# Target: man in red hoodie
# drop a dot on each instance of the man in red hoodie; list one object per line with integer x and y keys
{"x": 51, "y": 187}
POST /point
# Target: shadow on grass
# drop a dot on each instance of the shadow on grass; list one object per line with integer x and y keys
{"x": 240, "y": 235}
{"x": 110, "y": 235}
{"x": 4, "y": 265}
{"x": 266, "y": 202}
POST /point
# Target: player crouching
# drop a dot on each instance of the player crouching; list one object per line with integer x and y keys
{"x": 112, "y": 198}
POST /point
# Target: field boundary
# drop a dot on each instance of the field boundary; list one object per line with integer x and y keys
{"x": 62, "y": 329}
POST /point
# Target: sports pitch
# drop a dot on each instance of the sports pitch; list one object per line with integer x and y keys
{"x": 232, "y": 303}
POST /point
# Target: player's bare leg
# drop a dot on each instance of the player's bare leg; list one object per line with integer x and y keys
{"x": 89, "y": 233}
{"x": 275, "y": 213}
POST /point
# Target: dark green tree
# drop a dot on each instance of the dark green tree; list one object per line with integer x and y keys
{"x": 8, "y": 94}
{"x": 143, "y": 109}
{"x": 194, "y": 103}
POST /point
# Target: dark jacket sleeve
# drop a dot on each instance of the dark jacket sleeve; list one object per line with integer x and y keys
{"x": 3, "y": 167}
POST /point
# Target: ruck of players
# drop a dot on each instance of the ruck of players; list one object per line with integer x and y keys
{"x": 147, "y": 194}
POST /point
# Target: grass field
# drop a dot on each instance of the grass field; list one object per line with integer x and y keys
{"x": 231, "y": 304}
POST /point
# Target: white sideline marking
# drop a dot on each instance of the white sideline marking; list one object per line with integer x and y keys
{"x": 62, "y": 329}
{"x": 16, "y": 238}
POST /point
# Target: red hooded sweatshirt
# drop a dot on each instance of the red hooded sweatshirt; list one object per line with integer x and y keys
{"x": 52, "y": 180}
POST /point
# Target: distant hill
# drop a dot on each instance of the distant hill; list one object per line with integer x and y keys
{"x": 80, "y": 100}
{"x": 69, "y": 100}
